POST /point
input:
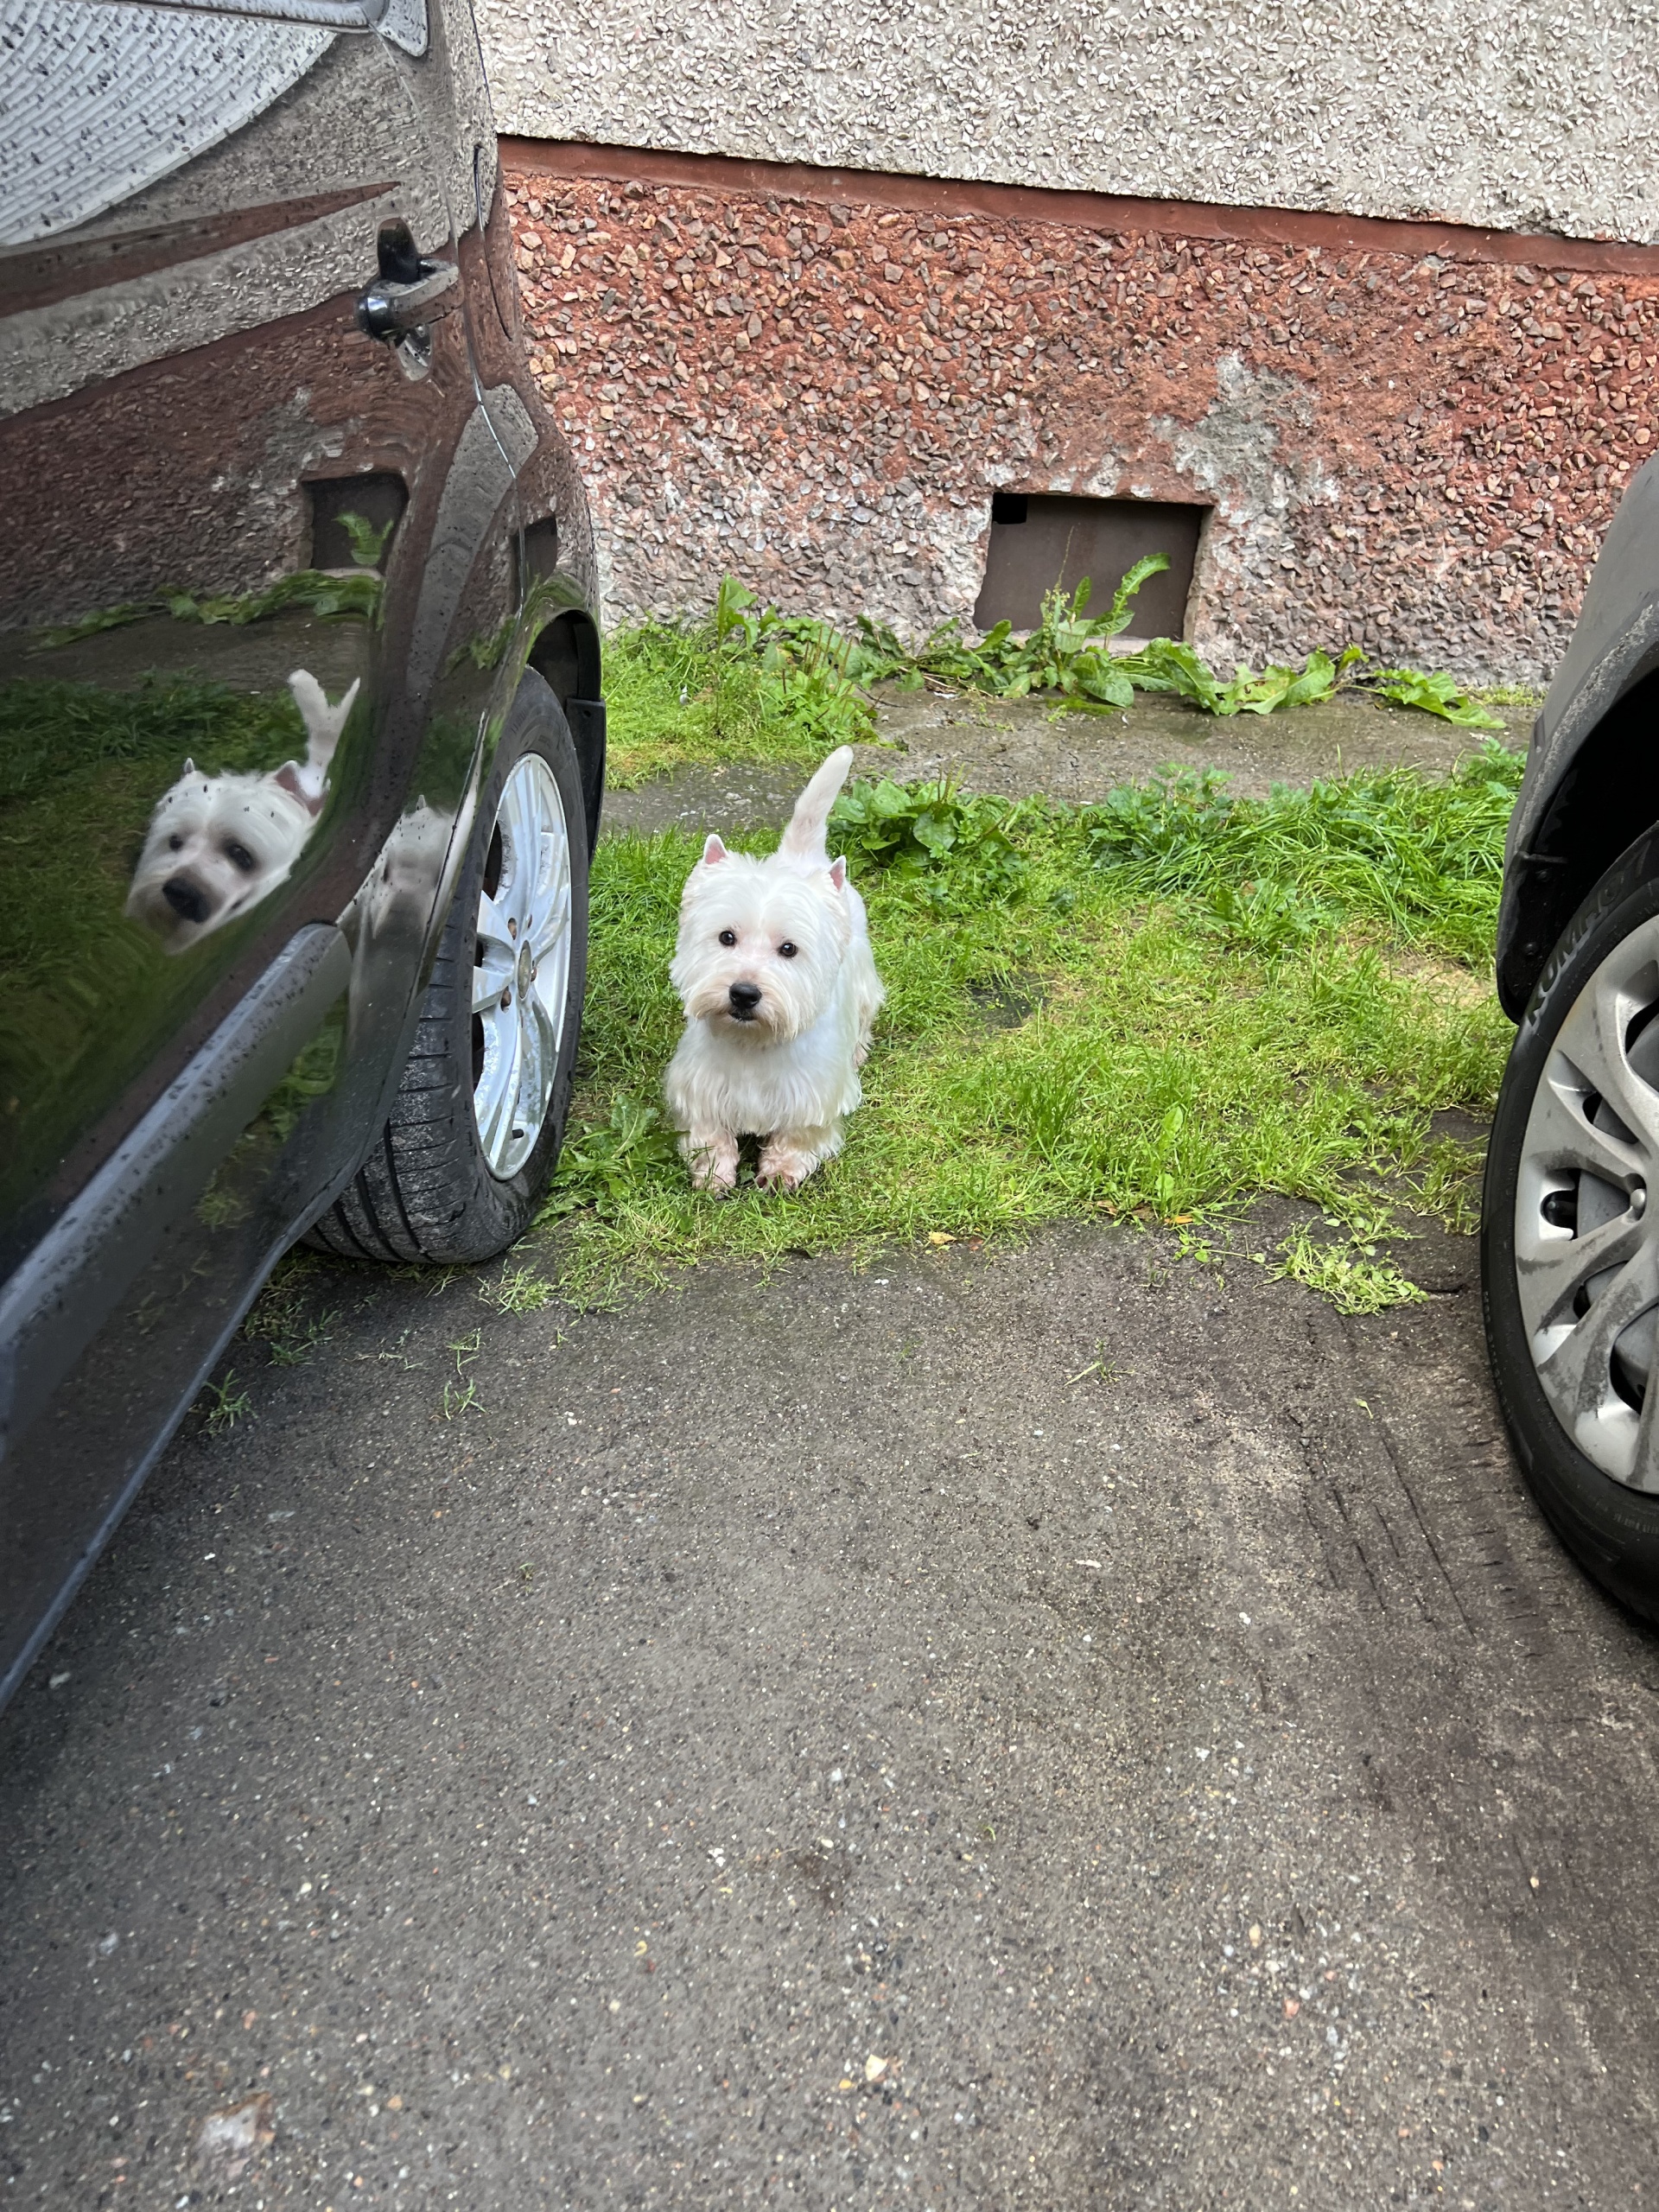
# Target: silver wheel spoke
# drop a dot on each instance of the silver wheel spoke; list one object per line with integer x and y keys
{"x": 553, "y": 925}
{"x": 492, "y": 923}
{"x": 1559, "y": 1136}
{"x": 1577, "y": 1372}
{"x": 1592, "y": 1038}
{"x": 1552, "y": 1275}
{"x": 490, "y": 978}
{"x": 540, "y": 1050}
{"x": 493, "y": 974}
{"x": 550, "y": 1024}
{"x": 521, "y": 821}
{"x": 549, "y": 912}
{"x": 496, "y": 1099}
{"x": 552, "y": 979}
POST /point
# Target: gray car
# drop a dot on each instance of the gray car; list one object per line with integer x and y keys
{"x": 301, "y": 750}
{"x": 1570, "y": 1228}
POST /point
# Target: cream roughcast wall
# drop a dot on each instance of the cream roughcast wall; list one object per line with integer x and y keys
{"x": 1525, "y": 115}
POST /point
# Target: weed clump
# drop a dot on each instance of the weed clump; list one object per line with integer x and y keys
{"x": 1354, "y": 1282}
{"x": 951, "y": 850}
{"x": 602, "y": 1165}
{"x": 1070, "y": 652}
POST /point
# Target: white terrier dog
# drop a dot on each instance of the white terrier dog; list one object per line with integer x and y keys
{"x": 773, "y": 968}
{"x": 217, "y": 845}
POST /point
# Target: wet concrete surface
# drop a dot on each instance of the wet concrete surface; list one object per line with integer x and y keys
{"x": 1044, "y": 1727}
{"x": 1014, "y": 746}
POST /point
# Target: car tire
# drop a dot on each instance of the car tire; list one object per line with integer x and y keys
{"x": 1570, "y": 1233}
{"x": 466, "y": 1152}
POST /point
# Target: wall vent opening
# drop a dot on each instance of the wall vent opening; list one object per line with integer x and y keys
{"x": 1039, "y": 539}
{"x": 379, "y": 497}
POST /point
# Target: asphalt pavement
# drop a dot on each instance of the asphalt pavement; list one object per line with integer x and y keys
{"x": 1057, "y": 1726}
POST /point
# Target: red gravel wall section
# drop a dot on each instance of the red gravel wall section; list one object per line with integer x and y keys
{"x": 1416, "y": 451}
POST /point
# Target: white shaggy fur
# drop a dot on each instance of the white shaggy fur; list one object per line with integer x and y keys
{"x": 217, "y": 845}
{"x": 774, "y": 969}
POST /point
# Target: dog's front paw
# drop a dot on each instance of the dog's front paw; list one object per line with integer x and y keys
{"x": 712, "y": 1162}
{"x": 785, "y": 1166}
{"x": 717, "y": 1177}
{"x": 781, "y": 1179}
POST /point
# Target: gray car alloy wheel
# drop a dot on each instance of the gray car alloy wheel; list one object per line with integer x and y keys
{"x": 521, "y": 966}
{"x": 1586, "y": 1241}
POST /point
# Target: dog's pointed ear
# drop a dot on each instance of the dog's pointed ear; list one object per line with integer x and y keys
{"x": 288, "y": 777}
{"x": 712, "y": 851}
{"x": 838, "y": 871}
{"x": 188, "y": 769}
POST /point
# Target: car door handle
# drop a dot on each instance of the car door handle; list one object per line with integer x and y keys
{"x": 392, "y": 309}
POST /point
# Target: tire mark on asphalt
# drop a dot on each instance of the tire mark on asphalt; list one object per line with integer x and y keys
{"x": 1386, "y": 1436}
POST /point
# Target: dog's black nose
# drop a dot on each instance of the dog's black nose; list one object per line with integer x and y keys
{"x": 186, "y": 901}
{"x": 745, "y": 997}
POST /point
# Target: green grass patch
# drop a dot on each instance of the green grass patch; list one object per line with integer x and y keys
{"x": 1158, "y": 1008}
{"x": 745, "y": 685}
{"x": 1420, "y": 859}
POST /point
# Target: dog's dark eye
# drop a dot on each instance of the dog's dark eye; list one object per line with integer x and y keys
{"x": 239, "y": 856}
{"x": 175, "y": 844}
{"x": 728, "y": 937}
{"x": 788, "y": 950}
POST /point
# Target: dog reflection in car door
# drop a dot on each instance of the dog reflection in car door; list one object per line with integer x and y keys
{"x": 217, "y": 845}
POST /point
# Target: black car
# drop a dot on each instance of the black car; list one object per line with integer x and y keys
{"x": 1570, "y": 1229}
{"x": 301, "y": 746}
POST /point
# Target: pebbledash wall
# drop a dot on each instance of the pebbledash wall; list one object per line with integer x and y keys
{"x": 1406, "y": 407}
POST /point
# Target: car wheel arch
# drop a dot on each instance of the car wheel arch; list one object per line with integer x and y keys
{"x": 1605, "y": 798}
{"x": 565, "y": 652}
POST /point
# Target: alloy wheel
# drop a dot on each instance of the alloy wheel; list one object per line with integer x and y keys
{"x": 521, "y": 965}
{"x": 1587, "y": 1242}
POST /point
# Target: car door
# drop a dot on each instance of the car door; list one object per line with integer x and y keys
{"x": 226, "y": 606}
